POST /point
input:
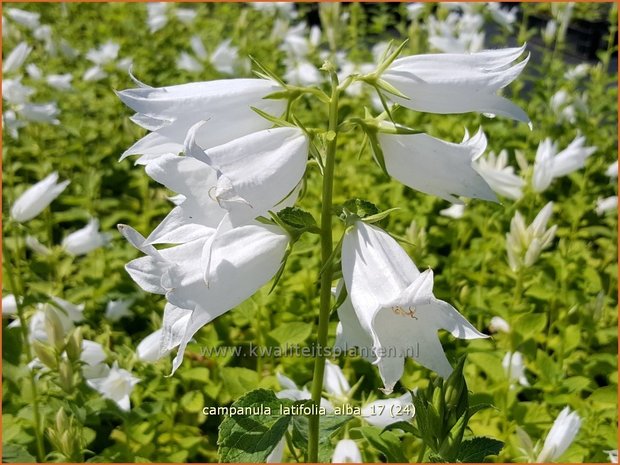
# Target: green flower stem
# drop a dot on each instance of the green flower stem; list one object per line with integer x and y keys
{"x": 24, "y": 330}
{"x": 326, "y": 277}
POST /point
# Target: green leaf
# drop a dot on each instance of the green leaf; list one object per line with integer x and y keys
{"x": 237, "y": 381}
{"x": 477, "y": 449}
{"x": 192, "y": 401}
{"x": 385, "y": 442}
{"x": 298, "y": 219}
{"x": 531, "y": 324}
{"x": 290, "y": 333}
{"x": 251, "y": 438}
{"x": 14, "y": 453}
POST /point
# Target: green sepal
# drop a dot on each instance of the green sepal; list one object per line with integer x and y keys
{"x": 278, "y": 122}
{"x": 266, "y": 73}
{"x": 390, "y": 89}
{"x": 379, "y": 216}
{"x": 376, "y": 149}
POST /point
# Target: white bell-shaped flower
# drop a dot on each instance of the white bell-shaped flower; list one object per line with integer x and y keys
{"x": 560, "y": 436}
{"x": 37, "y": 198}
{"x": 395, "y": 305}
{"x": 346, "y": 451}
{"x": 171, "y": 111}
{"x": 458, "y": 82}
{"x": 437, "y": 167}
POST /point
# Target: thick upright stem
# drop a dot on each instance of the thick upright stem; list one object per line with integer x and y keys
{"x": 26, "y": 342}
{"x": 326, "y": 277}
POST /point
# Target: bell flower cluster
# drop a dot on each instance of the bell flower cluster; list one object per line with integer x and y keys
{"x": 18, "y": 110}
{"x": 229, "y": 175}
{"x": 229, "y": 168}
{"x": 525, "y": 243}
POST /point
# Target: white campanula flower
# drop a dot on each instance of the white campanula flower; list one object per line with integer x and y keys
{"x": 33, "y": 244}
{"x": 334, "y": 381}
{"x": 117, "y": 309}
{"x": 457, "y": 33}
{"x": 104, "y": 54}
{"x": 292, "y": 392}
{"x": 285, "y": 9}
{"x": 225, "y": 57}
{"x": 551, "y": 163}
{"x": 156, "y": 16}
{"x": 172, "y": 111}
{"x": 13, "y": 91}
{"x": 211, "y": 274}
{"x": 39, "y": 112}
{"x": 241, "y": 180}
{"x": 59, "y": 81}
{"x": 499, "y": 325}
{"x": 94, "y": 73}
{"x": 612, "y": 170}
{"x": 606, "y": 204}
{"x": 198, "y": 47}
{"x": 256, "y": 172}
{"x": 150, "y": 348}
{"x": 16, "y": 58}
{"x": 37, "y": 198}
{"x": 514, "y": 367}
{"x": 11, "y": 123}
{"x": 93, "y": 357}
{"x": 302, "y": 73}
{"x": 550, "y": 31}
{"x": 457, "y": 83}
{"x": 384, "y": 412}
{"x": 34, "y": 71}
{"x": 613, "y": 455}
{"x": 395, "y": 306}
{"x": 560, "y": 436}
{"x": 86, "y": 239}
{"x": 454, "y": 211}
{"x": 277, "y": 453}
{"x": 346, "y": 451}
{"x": 436, "y": 167}
{"x": 499, "y": 175}
{"x": 117, "y": 386}
{"x": 185, "y": 15}
{"x": 9, "y": 305}
{"x": 502, "y": 16}
{"x": 299, "y": 41}
{"x": 578, "y": 72}
{"x": 414, "y": 10}
{"x": 23, "y": 17}
{"x": 524, "y": 244}
{"x": 93, "y": 353}
{"x": 187, "y": 62}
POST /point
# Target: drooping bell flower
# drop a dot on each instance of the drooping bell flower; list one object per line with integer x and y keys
{"x": 395, "y": 305}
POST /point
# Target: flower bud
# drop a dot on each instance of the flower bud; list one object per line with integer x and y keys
{"x": 74, "y": 345}
{"x": 54, "y": 328}
{"x": 45, "y": 354}
{"x": 65, "y": 376}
